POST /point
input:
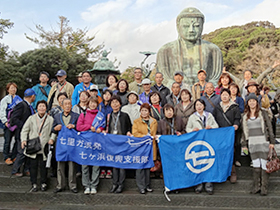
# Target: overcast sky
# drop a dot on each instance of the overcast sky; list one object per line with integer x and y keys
{"x": 128, "y": 26}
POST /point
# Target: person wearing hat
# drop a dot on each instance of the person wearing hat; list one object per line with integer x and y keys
{"x": 132, "y": 108}
{"x": 247, "y": 75}
{"x": 179, "y": 77}
{"x": 61, "y": 86}
{"x": 21, "y": 113}
{"x": 42, "y": 89}
{"x": 85, "y": 85}
{"x": 80, "y": 77}
{"x": 136, "y": 85}
{"x": 30, "y": 130}
{"x": 199, "y": 87}
{"x": 162, "y": 89}
{"x": 253, "y": 87}
{"x": 146, "y": 84}
{"x": 93, "y": 91}
{"x": 258, "y": 138}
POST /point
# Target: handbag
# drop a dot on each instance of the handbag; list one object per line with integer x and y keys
{"x": 34, "y": 145}
{"x": 273, "y": 162}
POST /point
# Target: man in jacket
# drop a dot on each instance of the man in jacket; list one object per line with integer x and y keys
{"x": 146, "y": 84}
{"x": 136, "y": 84}
{"x": 210, "y": 98}
{"x": 20, "y": 114}
{"x": 173, "y": 98}
{"x": 69, "y": 119}
{"x": 42, "y": 89}
{"x": 199, "y": 87}
{"x": 85, "y": 85}
{"x": 61, "y": 86}
{"x": 163, "y": 90}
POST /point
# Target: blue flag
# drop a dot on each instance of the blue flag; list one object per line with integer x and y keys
{"x": 88, "y": 148}
{"x": 99, "y": 120}
{"x": 196, "y": 157}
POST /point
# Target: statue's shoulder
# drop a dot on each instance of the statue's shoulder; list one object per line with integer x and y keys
{"x": 169, "y": 45}
{"x": 209, "y": 45}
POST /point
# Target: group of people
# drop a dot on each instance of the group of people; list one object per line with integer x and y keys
{"x": 136, "y": 109}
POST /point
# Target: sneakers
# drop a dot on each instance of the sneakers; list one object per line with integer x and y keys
{"x": 109, "y": 174}
{"x": 102, "y": 174}
{"x": 17, "y": 175}
{"x": 9, "y": 162}
{"x": 34, "y": 188}
{"x": 237, "y": 163}
{"x": 44, "y": 187}
{"x": 93, "y": 191}
{"x": 87, "y": 191}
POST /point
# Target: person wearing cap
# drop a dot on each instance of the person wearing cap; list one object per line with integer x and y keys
{"x": 258, "y": 138}
{"x": 146, "y": 84}
{"x": 198, "y": 88}
{"x": 179, "y": 78}
{"x": 85, "y": 85}
{"x": 122, "y": 88}
{"x": 7, "y": 104}
{"x": 93, "y": 91}
{"x": 162, "y": 89}
{"x": 42, "y": 89}
{"x": 247, "y": 75}
{"x": 173, "y": 97}
{"x": 21, "y": 113}
{"x": 132, "y": 108}
{"x": 61, "y": 86}
{"x": 80, "y": 77}
{"x": 210, "y": 98}
{"x": 136, "y": 85}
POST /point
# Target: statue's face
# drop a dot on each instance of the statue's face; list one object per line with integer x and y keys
{"x": 190, "y": 29}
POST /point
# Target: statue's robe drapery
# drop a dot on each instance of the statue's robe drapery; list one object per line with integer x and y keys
{"x": 175, "y": 56}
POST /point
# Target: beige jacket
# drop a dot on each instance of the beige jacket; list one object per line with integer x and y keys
{"x": 31, "y": 129}
{"x": 195, "y": 122}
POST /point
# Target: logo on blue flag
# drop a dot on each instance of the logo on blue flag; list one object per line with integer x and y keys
{"x": 196, "y": 157}
{"x": 98, "y": 149}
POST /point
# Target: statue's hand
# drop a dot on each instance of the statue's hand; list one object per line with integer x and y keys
{"x": 276, "y": 63}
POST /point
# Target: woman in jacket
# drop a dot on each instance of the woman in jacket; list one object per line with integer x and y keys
{"x": 236, "y": 97}
{"x": 7, "y": 104}
{"x": 111, "y": 83}
{"x": 156, "y": 109}
{"x": 122, "y": 87}
{"x": 118, "y": 124}
{"x": 223, "y": 82}
{"x": 104, "y": 106}
{"x": 185, "y": 107}
{"x": 31, "y": 130}
{"x": 143, "y": 126}
{"x": 201, "y": 120}
{"x": 259, "y": 136}
{"x": 227, "y": 113}
{"x": 81, "y": 107}
{"x": 132, "y": 108}
{"x": 84, "y": 124}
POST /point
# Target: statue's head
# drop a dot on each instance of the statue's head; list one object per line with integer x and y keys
{"x": 190, "y": 24}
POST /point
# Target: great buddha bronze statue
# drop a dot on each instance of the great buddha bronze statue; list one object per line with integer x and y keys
{"x": 190, "y": 53}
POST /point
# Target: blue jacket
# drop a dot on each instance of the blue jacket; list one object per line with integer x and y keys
{"x": 214, "y": 98}
{"x": 79, "y": 88}
{"x": 143, "y": 98}
{"x": 58, "y": 120}
{"x": 240, "y": 102}
{"x": 39, "y": 95}
{"x": 105, "y": 109}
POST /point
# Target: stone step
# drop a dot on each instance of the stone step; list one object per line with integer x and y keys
{"x": 130, "y": 184}
{"x": 133, "y": 199}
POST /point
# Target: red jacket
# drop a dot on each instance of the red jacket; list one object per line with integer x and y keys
{"x": 85, "y": 121}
